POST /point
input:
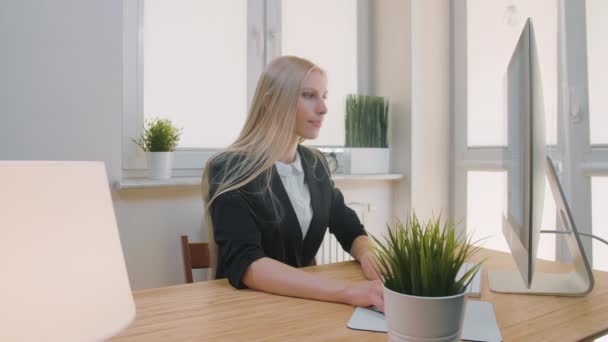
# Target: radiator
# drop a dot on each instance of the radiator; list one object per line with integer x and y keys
{"x": 330, "y": 250}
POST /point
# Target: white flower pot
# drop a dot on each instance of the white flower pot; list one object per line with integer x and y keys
{"x": 368, "y": 160}
{"x": 159, "y": 164}
{"x": 412, "y": 318}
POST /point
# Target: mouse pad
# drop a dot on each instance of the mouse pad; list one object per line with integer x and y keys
{"x": 479, "y": 321}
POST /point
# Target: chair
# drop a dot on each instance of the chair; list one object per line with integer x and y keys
{"x": 196, "y": 256}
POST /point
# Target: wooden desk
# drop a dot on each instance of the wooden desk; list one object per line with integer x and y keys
{"x": 214, "y": 311}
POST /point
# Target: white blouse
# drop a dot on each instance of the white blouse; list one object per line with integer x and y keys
{"x": 292, "y": 176}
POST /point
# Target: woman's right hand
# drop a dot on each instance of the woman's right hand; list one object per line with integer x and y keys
{"x": 365, "y": 293}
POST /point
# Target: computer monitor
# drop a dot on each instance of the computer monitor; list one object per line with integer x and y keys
{"x": 521, "y": 224}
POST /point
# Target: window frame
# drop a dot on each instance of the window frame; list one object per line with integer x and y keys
{"x": 263, "y": 45}
{"x": 576, "y": 159}
{"x": 581, "y": 159}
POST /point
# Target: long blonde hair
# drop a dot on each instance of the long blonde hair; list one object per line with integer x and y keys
{"x": 268, "y": 133}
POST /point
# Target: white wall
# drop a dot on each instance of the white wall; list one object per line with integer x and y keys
{"x": 61, "y": 81}
{"x": 430, "y": 164}
{"x": 151, "y": 222}
{"x": 378, "y": 194}
{"x": 391, "y": 77}
{"x": 61, "y": 99}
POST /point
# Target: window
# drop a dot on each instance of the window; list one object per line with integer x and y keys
{"x": 334, "y": 25}
{"x": 485, "y": 208}
{"x": 197, "y": 62}
{"x": 597, "y": 53}
{"x": 195, "y": 67}
{"x": 571, "y": 50}
{"x": 492, "y": 33}
{"x": 599, "y": 200}
{"x": 481, "y": 129}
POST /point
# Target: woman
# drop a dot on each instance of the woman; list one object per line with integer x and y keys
{"x": 269, "y": 200}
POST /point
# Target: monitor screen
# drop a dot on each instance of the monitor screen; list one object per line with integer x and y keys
{"x": 528, "y": 165}
{"x": 526, "y": 183}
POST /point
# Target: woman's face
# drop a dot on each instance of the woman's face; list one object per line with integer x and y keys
{"x": 311, "y": 107}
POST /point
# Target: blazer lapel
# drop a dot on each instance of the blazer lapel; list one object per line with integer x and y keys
{"x": 314, "y": 187}
{"x": 290, "y": 220}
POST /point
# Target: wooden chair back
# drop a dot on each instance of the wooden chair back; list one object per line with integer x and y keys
{"x": 196, "y": 256}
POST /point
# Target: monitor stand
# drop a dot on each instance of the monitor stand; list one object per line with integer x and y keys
{"x": 578, "y": 282}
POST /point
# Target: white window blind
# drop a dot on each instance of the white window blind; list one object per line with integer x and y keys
{"x": 486, "y": 198}
{"x": 493, "y": 28}
{"x": 597, "y": 54}
{"x": 486, "y": 203}
{"x": 326, "y": 33}
{"x": 599, "y": 203}
{"x": 194, "y": 67}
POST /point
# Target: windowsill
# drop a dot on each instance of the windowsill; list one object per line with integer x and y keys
{"x": 139, "y": 183}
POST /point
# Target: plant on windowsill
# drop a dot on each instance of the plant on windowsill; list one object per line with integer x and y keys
{"x": 366, "y": 127}
{"x": 159, "y": 140}
{"x": 419, "y": 263}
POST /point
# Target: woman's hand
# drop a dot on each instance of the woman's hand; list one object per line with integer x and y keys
{"x": 365, "y": 293}
{"x": 369, "y": 266}
{"x": 361, "y": 250}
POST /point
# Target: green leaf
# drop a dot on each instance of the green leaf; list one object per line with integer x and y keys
{"x": 159, "y": 135}
{"x": 422, "y": 258}
{"x": 366, "y": 121}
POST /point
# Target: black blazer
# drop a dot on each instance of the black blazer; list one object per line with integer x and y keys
{"x": 249, "y": 225}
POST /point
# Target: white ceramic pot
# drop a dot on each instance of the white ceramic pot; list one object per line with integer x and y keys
{"x": 159, "y": 164}
{"x": 368, "y": 160}
{"x": 412, "y": 318}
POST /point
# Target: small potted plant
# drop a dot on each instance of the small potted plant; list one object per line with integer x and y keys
{"x": 159, "y": 140}
{"x": 418, "y": 264}
{"x": 366, "y": 127}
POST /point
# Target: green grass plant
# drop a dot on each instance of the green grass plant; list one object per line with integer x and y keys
{"x": 423, "y": 258}
{"x": 366, "y": 121}
{"x": 160, "y": 135}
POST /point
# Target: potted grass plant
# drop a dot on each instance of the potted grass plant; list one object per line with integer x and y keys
{"x": 159, "y": 140}
{"x": 366, "y": 127}
{"x": 424, "y": 296}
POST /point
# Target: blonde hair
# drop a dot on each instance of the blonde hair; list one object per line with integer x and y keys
{"x": 268, "y": 133}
